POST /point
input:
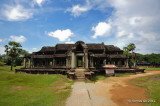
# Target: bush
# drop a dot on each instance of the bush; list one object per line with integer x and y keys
{"x": 2, "y": 63}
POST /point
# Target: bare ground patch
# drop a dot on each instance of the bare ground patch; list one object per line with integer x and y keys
{"x": 20, "y": 87}
{"x": 122, "y": 95}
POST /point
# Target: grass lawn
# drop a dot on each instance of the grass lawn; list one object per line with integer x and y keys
{"x": 32, "y": 90}
{"x": 150, "y": 68}
{"x": 152, "y": 83}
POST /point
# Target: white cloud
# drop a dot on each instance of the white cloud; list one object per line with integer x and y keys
{"x": 39, "y": 2}
{"x": 1, "y": 40}
{"x": 69, "y": 42}
{"x": 2, "y": 49}
{"x": 17, "y": 38}
{"x": 98, "y": 4}
{"x": 34, "y": 49}
{"x": 17, "y": 13}
{"x": 102, "y": 29}
{"x": 61, "y": 35}
{"x": 136, "y": 21}
{"x": 30, "y": 50}
{"x": 77, "y": 10}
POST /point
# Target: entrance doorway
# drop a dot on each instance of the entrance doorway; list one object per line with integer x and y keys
{"x": 79, "y": 61}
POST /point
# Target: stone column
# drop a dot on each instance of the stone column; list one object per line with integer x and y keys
{"x": 114, "y": 62}
{"x": 73, "y": 60}
{"x": 29, "y": 63}
{"x": 92, "y": 62}
{"x": 104, "y": 62}
{"x": 53, "y": 62}
{"x": 127, "y": 63}
{"x": 24, "y": 64}
{"x": 86, "y": 60}
{"x": 135, "y": 62}
{"x": 67, "y": 62}
{"x": 83, "y": 61}
{"x": 32, "y": 63}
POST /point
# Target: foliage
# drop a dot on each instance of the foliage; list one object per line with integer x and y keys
{"x": 2, "y": 63}
{"x": 18, "y": 61}
{"x": 149, "y": 58}
{"x": 32, "y": 90}
{"x": 131, "y": 47}
{"x": 12, "y": 50}
{"x": 152, "y": 84}
{"x": 131, "y": 57}
{"x": 14, "y": 54}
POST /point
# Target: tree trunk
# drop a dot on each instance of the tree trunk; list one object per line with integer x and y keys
{"x": 11, "y": 63}
{"x": 127, "y": 62}
{"x": 135, "y": 62}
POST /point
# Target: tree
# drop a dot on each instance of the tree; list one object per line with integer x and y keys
{"x": 131, "y": 47}
{"x": 13, "y": 50}
{"x": 22, "y": 54}
{"x": 127, "y": 50}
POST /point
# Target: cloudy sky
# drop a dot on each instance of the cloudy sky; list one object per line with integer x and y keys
{"x": 37, "y": 23}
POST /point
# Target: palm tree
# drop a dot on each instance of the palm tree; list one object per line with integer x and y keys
{"x": 127, "y": 49}
{"x": 13, "y": 49}
{"x": 126, "y": 52}
{"x": 131, "y": 47}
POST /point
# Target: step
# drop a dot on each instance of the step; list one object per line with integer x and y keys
{"x": 79, "y": 74}
{"x": 80, "y": 77}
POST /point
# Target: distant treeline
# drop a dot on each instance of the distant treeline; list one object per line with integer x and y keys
{"x": 6, "y": 60}
{"x": 148, "y": 59}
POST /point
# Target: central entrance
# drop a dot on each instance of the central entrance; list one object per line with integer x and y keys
{"x": 79, "y": 61}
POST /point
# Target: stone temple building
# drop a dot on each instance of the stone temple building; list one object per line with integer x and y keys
{"x": 72, "y": 58}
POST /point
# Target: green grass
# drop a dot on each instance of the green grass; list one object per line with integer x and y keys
{"x": 152, "y": 83}
{"x": 7, "y": 68}
{"x": 32, "y": 90}
{"x": 149, "y": 68}
{"x": 124, "y": 75}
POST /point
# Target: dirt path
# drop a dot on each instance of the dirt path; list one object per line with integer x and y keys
{"x": 113, "y": 91}
{"x": 89, "y": 94}
{"x": 122, "y": 92}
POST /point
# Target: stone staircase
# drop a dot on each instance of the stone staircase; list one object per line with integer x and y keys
{"x": 80, "y": 74}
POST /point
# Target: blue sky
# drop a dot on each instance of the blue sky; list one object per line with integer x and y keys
{"x": 37, "y": 23}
